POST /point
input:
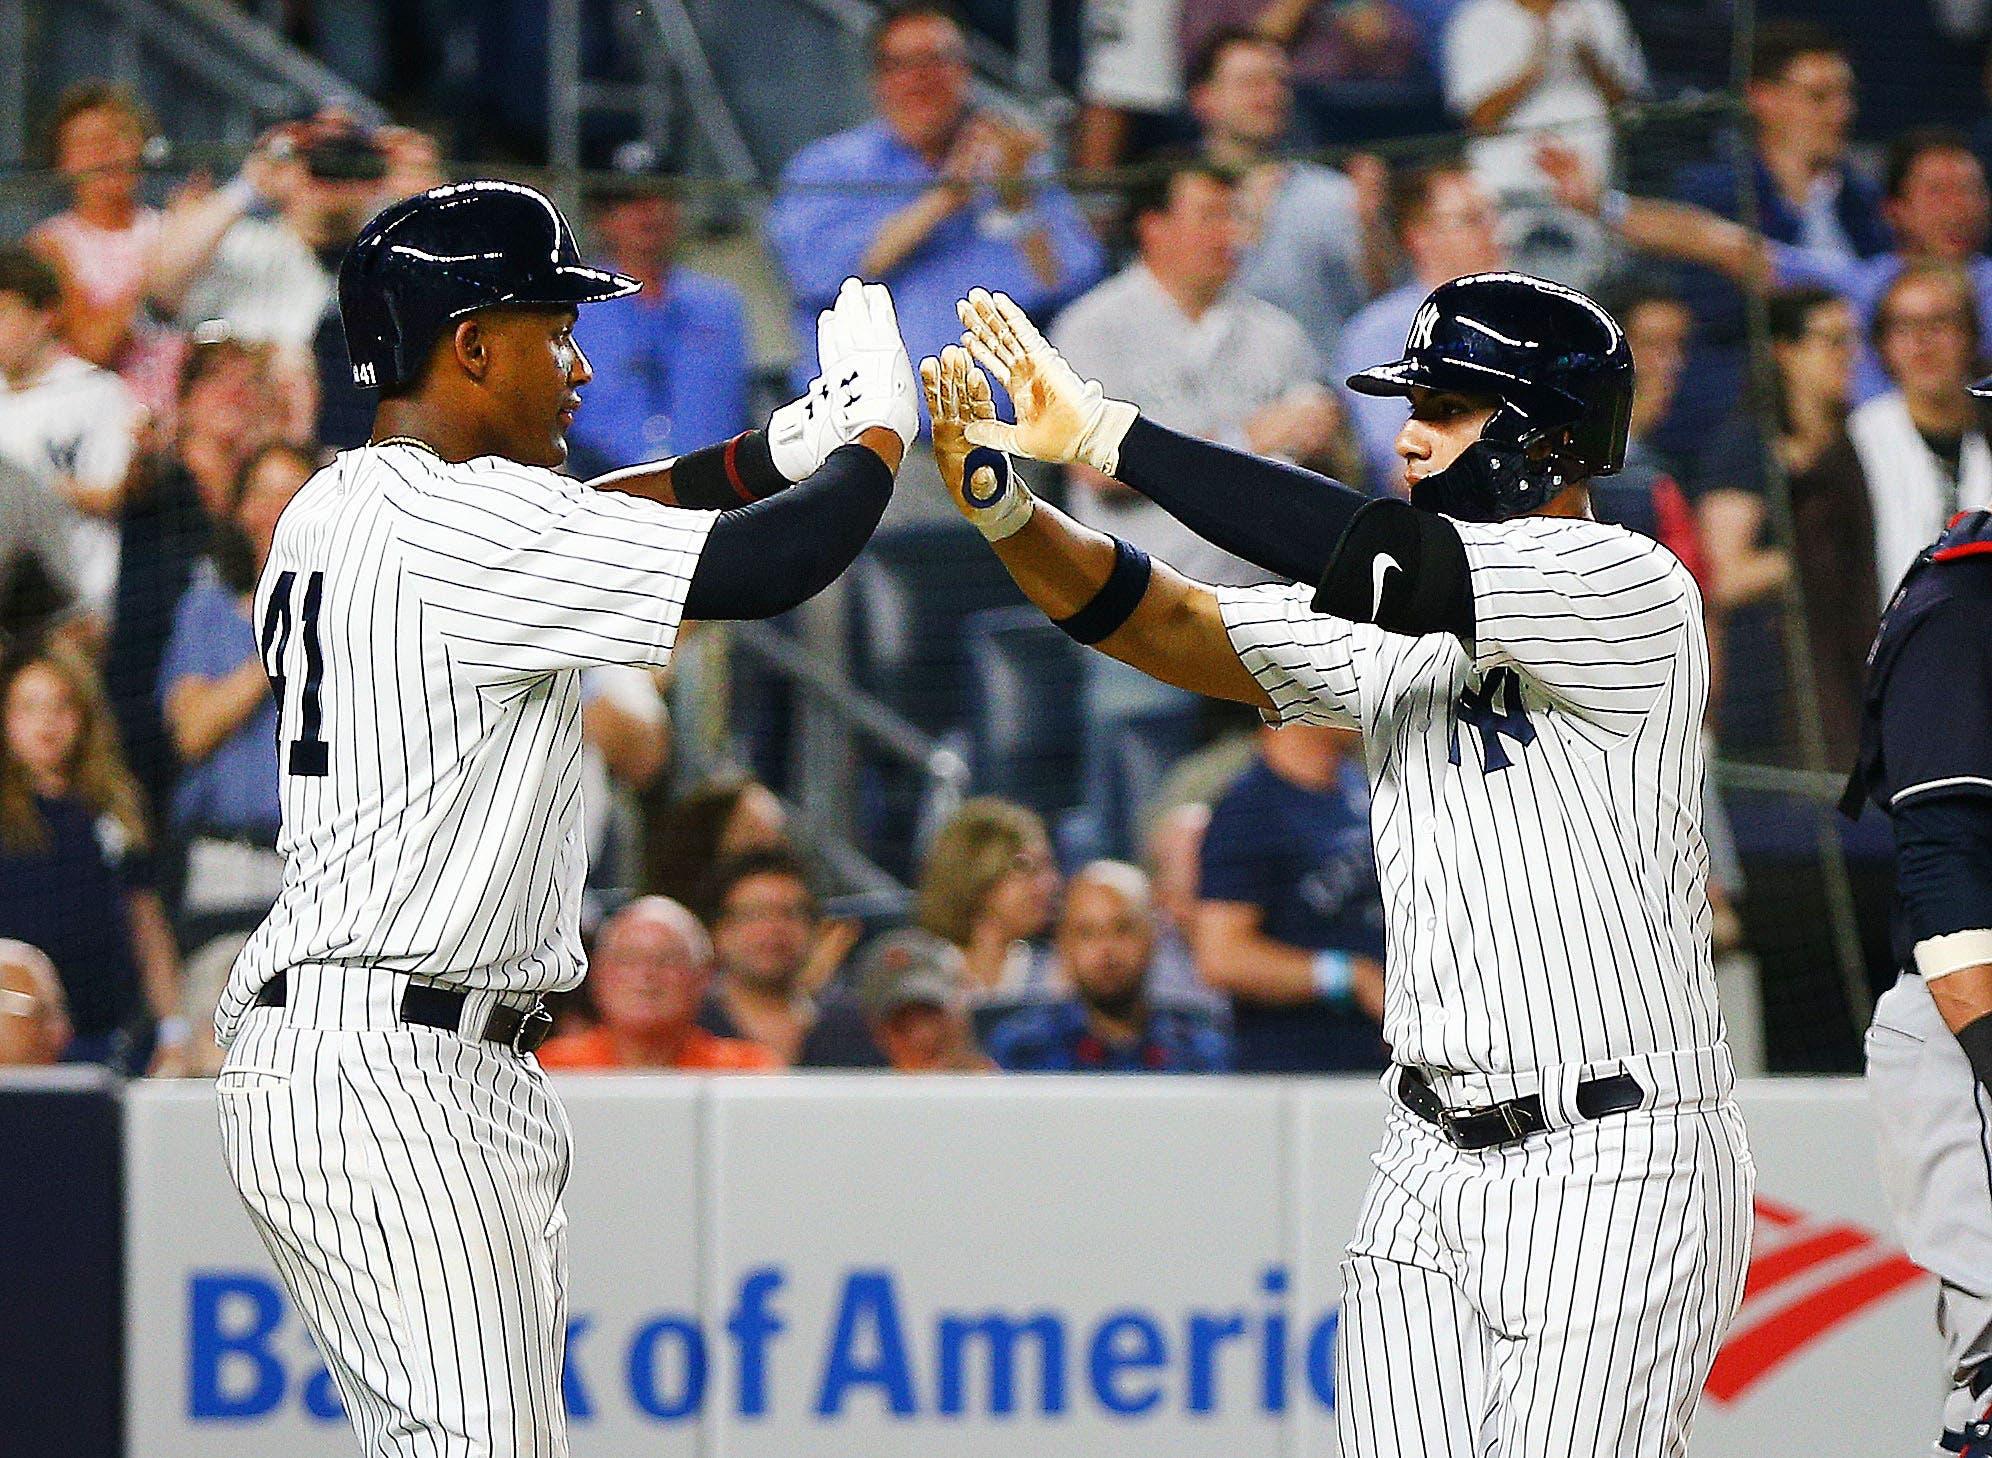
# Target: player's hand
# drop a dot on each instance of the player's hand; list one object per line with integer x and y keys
{"x": 1060, "y": 417}
{"x": 867, "y": 377}
{"x": 800, "y": 435}
{"x": 979, "y": 478}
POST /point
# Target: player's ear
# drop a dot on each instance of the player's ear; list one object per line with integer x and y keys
{"x": 470, "y": 342}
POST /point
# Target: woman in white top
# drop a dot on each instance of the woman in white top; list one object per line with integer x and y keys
{"x": 1922, "y": 446}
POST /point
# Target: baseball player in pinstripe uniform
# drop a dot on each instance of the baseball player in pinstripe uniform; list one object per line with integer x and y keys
{"x": 430, "y": 601}
{"x": 1557, "y": 1231}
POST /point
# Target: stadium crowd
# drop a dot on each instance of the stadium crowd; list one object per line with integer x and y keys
{"x": 172, "y": 371}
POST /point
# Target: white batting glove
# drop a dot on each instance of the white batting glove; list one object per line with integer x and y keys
{"x": 1060, "y": 417}
{"x": 985, "y": 489}
{"x": 800, "y": 435}
{"x": 866, "y": 375}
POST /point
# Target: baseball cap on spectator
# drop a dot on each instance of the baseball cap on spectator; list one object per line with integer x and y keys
{"x": 636, "y": 168}
{"x": 910, "y": 968}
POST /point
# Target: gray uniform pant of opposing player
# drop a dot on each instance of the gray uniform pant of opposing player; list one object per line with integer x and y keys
{"x": 1565, "y": 1295}
{"x": 1931, "y": 1119}
{"x": 407, "y": 1183}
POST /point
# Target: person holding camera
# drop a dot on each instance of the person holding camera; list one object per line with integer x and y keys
{"x": 259, "y": 253}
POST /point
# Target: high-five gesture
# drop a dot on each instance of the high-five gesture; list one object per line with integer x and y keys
{"x": 864, "y": 379}
{"x": 1060, "y": 417}
{"x": 978, "y": 477}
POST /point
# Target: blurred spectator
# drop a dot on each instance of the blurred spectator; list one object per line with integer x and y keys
{"x": 777, "y": 959}
{"x": 1645, "y": 494}
{"x": 99, "y": 245}
{"x": 1131, "y": 89}
{"x": 1518, "y": 67}
{"x": 1921, "y": 446}
{"x": 625, "y": 748}
{"x": 970, "y": 210}
{"x": 1801, "y": 101}
{"x": 1173, "y": 333}
{"x": 1332, "y": 42}
{"x": 259, "y": 253}
{"x": 1309, "y": 235}
{"x": 76, "y": 873}
{"x": 215, "y": 694}
{"x": 37, "y": 584}
{"x": 1111, "y": 1022}
{"x": 912, "y": 986}
{"x": 1813, "y": 339}
{"x": 1938, "y": 208}
{"x": 206, "y": 975}
{"x": 1446, "y": 226}
{"x": 988, "y": 886}
{"x": 1937, "y": 205}
{"x": 63, "y": 420}
{"x": 1291, "y": 924}
{"x": 726, "y": 815}
{"x": 648, "y": 974}
{"x": 184, "y": 483}
{"x": 671, "y": 363}
{"x": 34, "y": 1022}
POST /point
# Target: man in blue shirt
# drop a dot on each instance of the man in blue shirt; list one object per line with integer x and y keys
{"x": 1105, "y": 945}
{"x": 671, "y": 363}
{"x": 1808, "y": 194}
{"x": 965, "y": 212}
{"x": 1291, "y": 924}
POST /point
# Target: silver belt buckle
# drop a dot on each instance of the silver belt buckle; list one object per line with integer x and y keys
{"x": 1511, "y": 1118}
{"x": 536, "y": 1017}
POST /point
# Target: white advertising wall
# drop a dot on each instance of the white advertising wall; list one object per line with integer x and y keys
{"x": 870, "y": 1267}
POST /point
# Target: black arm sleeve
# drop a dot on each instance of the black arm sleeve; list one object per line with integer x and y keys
{"x": 1943, "y": 865}
{"x": 764, "y": 559}
{"x": 1275, "y": 516}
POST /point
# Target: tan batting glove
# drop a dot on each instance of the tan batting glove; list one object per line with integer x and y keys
{"x": 985, "y": 489}
{"x": 1060, "y": 417}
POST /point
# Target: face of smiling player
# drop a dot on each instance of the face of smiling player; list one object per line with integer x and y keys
{"x": 534, "y": 373}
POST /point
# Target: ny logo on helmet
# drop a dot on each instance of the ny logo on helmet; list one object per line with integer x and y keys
{"x": 1478, "y": 708}
{"x": 1422, "y": 327}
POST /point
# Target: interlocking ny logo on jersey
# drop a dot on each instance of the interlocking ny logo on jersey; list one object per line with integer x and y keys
{"x": 1476, "y": 706}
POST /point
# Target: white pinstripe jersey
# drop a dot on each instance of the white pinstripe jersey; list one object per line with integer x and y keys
{"x": 425, "y": 625}
{"x": 1537, "y": 797}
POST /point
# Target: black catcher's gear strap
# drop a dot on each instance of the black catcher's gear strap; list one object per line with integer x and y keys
{"x": 1402, "y": 569}
{"x": 732, "y": 473}
{"x": 761, "y": 560}
{"x": 1275, "y": 516}
{"x": 1975, "y": 1038}
{"x": 1116, "y": 600}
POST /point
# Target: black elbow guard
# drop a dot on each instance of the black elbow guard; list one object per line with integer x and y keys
{"x": 1976, "y": 1039}
{"x": 1402, "y": 569}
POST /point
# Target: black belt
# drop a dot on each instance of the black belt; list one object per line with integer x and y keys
{"x": 1515, "y": 1120}
{"x": 522, "y": 1029}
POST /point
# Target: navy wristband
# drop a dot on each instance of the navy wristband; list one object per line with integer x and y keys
{"x": 1116, "y": 600}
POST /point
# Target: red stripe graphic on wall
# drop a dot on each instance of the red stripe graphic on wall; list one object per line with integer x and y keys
{"x": 1788, "y": 1248}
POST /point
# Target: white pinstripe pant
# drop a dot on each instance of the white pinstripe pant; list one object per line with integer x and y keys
{"x": 1562, "y": 1296}
{"x": 407, "y": 1184}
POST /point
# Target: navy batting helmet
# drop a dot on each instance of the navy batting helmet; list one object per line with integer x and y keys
{"x": 428, "y": 260}
{"x": 1558, "y": 365}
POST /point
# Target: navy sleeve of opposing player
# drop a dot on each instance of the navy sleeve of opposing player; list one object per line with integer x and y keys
{"x": 1936, "y": 716}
